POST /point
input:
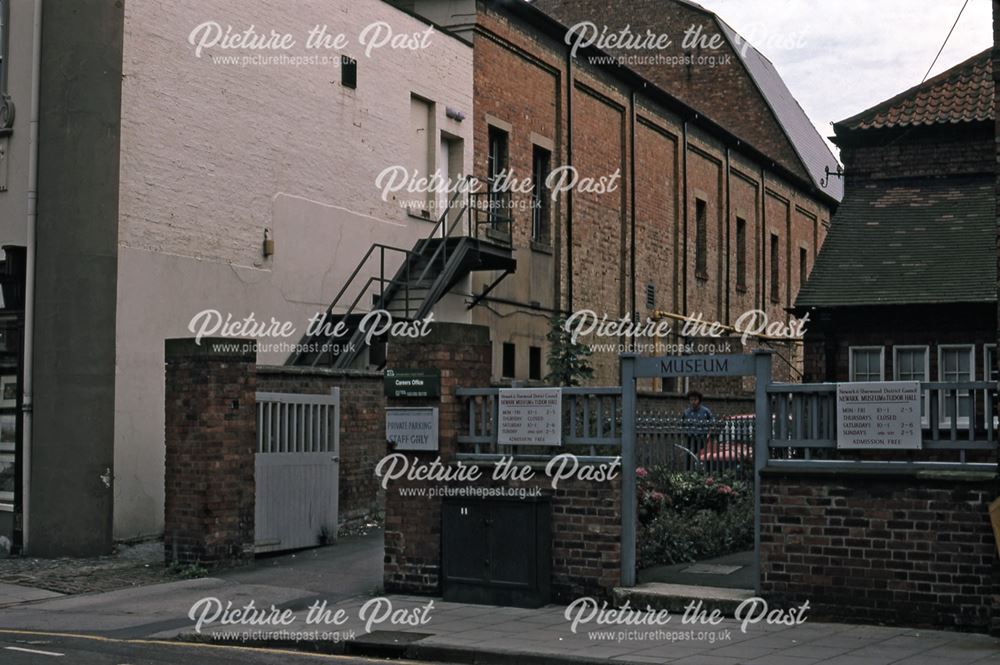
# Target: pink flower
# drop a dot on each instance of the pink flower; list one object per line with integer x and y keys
{"x": 710, "y": 481}
{"x": 725, "y": 489}
{"x": 657, "y": 496}
{"x": 641, "y": 472}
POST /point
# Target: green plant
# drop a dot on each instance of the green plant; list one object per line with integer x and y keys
{"x": 569, "y": 362}
{"x": 187, "y": 571}
{"x": 689, "y": 516}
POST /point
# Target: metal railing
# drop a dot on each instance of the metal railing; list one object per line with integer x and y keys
{"x": 591, "y": 426}
{"x": 804, "y": 429}
{"x": 679, "y": 444}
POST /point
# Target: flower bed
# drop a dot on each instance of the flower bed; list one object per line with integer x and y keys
{"x": 687, "y": 516}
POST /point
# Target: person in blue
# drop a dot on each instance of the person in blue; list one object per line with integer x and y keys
{"x": 696, "y": 410}
{"x": 697, "y": 420}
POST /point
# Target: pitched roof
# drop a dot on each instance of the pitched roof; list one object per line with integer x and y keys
{"x": 813, "y": 153}
{"x": 963, "y": 93}
{"x": 922, "y": 241}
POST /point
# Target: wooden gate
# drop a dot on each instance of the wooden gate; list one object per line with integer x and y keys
{"x": 297, "y": 470}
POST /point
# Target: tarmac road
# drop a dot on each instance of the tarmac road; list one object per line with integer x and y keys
{"x": 42, "y": 648}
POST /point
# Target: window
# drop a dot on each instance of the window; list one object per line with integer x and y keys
{"x": 423, "y": 145}
{"x": 741, "y": 253}
{"x": 541, "y": 164}
{"x": 866, "y": 363}
{"x": 508, "y": 365}
{"x": 701, "y": 239}
{"x": 348, "y": 72}
{"x": 497, "y": 161}
{"x": 535, "y": 363}
{"x": 912, "y": 363}
{"x": 650, "y": 296}
{"x": 775, "y": 270}
{"x": 990, "y": 374}
{"x": 803, "y": 266}
{"x": 955, "y": 364}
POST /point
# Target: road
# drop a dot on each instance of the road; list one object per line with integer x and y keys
{"x": 41, "y": 648}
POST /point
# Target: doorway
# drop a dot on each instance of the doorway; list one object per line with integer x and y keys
{"x": 690, "y": 510}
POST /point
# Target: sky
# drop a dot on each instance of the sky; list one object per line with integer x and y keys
{"x": 840, "y": 57}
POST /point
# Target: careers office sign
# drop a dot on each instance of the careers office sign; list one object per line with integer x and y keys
{"x": 878, "y": 415}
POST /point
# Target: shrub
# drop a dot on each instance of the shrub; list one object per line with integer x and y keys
{"x": 688, "y": 516}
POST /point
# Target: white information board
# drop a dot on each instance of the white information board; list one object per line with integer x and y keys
{"x": 412, "y": 428}
{"x": 530, "y": 416}
{"x": 878, "y": 415}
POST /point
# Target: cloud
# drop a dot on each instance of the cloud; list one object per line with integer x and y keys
{"x": 848, "y": 55}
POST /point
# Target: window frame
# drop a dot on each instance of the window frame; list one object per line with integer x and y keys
{"x": 774, "y": 272}
{"x": 541, "y": 208}
{"x": 987, "y": 349}
{"x": 532, "y": 352}
{"x": 850, "y": 361}
{"x": 925, "y": 419}
{"x": 503, "y": 360}
{"x": 741, "y": 253}
{"x": 700, "y": 238}
{"x": 963, "y": 421}
{"x": 496, "y": 198}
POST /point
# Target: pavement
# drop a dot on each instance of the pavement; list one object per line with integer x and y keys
{"x": 732, "y": 571}
{"x": 328, "y": 600}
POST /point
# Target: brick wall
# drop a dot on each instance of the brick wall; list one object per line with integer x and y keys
{"x": 512, "y": 56}
{"x": 210, "y": 443}
{"x": 928, "y": 152}
{"x": 413, "y": 524}
{"x": 362, "y": 428}
{"x": 902, "y": 549}
{"x": 586, "y": 517}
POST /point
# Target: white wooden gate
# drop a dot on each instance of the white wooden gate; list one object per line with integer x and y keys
{"x": 297, "y": 469}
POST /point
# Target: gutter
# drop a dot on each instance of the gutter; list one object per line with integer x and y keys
{"x": 29, "y": 278}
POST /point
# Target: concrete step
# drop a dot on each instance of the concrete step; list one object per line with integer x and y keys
{"x": 677, "y": 597}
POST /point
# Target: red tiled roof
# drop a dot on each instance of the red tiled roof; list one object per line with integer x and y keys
{"x": 963, "y": 93}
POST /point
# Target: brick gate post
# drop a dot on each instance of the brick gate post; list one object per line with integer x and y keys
{"x": 463, "y": 353}
{"x": 210, "y": 436}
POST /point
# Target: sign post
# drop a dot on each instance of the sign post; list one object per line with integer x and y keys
{"x": 635, "y": 367}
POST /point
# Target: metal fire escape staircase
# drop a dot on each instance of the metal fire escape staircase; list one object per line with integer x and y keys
{"x": 427, "y": 272}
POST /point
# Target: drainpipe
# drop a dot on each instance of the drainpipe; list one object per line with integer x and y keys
{"x": 684, "y": 235}
{"x": 631, "y": 180}
{"x": 29, "y": 277}
{"x": 729, "y": 246}
{"x": 569, "y": 192}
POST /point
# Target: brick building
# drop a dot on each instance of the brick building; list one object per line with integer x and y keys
{"x": 905, "y": 287}
{"x": 722, "y": 200}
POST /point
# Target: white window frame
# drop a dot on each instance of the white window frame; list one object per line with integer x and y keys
{"x": 850, "y": 363}
{"x": 986, "y": 377}
{"x": 943, "y": 420}
{"x": 925, "y": 419}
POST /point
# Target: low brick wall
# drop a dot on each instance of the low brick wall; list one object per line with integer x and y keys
{"x": 586, "y": 536}
{"x": 907, "y": 548}
{"x": 362, "y": 428}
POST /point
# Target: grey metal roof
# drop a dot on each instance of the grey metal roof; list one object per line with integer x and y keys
{"x": 812, "y": 150}
{"x": 909, "y": 241}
